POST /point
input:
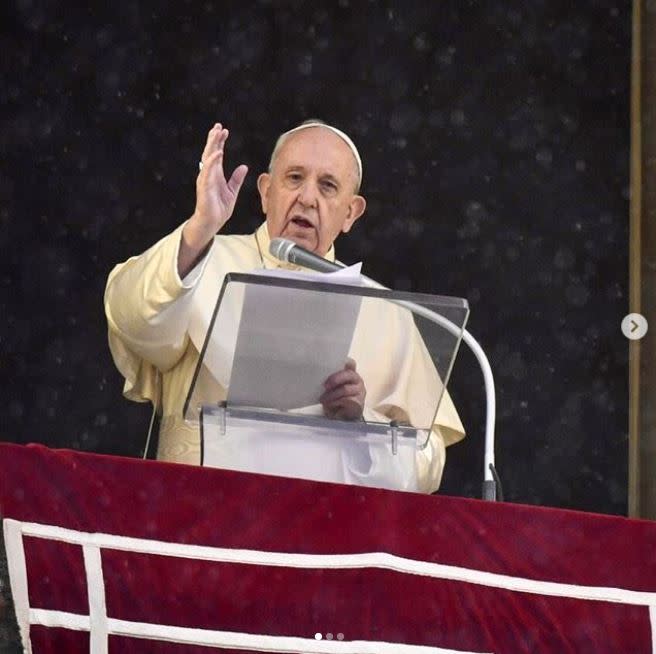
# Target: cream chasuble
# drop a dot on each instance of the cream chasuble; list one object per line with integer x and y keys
{"x": 158, "y": 322}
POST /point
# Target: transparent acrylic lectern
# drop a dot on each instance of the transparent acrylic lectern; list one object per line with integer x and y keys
{"x": 272, "y": 343}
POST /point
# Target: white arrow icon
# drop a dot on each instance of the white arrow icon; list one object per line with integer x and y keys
{"x": 634, "y": 326}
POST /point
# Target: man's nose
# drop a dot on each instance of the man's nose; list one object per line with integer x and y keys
{"x": 307, "y": 194}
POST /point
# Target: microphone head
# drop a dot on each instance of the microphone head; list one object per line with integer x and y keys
{"x": 280, "y": 248}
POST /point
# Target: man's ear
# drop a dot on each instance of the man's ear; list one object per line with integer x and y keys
{"x": 263, "y": 184}
{"x": 356, "y": 208}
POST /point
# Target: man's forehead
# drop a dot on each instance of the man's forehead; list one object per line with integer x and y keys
{"x": 317, "y": 146}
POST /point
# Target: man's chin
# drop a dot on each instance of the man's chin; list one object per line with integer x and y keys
{"x": 306, "y": 241}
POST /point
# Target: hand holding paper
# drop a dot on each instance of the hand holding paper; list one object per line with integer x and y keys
{"x": 344, "y": 394}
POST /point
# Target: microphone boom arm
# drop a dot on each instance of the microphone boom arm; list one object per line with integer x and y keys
{"x": 489, "y": 484}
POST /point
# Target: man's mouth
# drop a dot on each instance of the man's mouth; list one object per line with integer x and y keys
{"x": 299, "y": 221}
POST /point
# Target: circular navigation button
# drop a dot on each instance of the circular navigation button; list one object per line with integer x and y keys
{"x": 634, "y": 326}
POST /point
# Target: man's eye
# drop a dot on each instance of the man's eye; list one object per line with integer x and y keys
{"x": 294, "y": 177}
{"x": 329, "y": 186}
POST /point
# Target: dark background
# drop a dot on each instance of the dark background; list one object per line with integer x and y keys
{"x": 495, "y": 140}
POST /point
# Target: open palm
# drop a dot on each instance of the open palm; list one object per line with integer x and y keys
{"x": 215, "y": 201}
{"x": 216, "y": 197}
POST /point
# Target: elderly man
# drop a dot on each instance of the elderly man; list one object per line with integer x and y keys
{"x": 156, "y": 303}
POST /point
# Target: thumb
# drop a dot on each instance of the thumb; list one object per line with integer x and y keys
{"x": 237, "y": 178}
{"x": 350, "y": 364}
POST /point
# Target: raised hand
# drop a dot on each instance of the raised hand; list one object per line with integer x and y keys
{"x": 344, "y": 394}
{"x": 215, "y": 200}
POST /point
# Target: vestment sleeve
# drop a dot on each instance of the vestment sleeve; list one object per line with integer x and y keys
{"x": 421, "y": 388}
{"x": 447, "y": 427}
{"x": 403, "y": 383}
{"x": 147, "y": 309}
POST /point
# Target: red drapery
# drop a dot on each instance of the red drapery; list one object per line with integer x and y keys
{"x": 287, "y": 559}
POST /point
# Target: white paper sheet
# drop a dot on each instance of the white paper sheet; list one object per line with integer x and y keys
{"x": 291, "y": 340}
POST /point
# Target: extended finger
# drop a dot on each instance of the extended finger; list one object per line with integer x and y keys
{"x": 218, "y": 139}
{"x": 206, "y": 172}
{"x": 215, "y": 141}
{"x": 216, "y": 176}
{"x": 210, "y": 145}
{"x": 237, "y": 179}
{"x": 222, "y": 138}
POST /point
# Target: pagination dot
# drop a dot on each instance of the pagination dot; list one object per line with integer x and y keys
{"x": 329, "y": 636}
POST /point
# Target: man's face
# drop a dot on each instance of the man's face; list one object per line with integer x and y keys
{"x": 309, "y": 196}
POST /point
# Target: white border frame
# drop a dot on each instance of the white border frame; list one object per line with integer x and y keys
{"x": 100, "y": 626}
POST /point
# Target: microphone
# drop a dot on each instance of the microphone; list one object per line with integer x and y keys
{"x": 286, "y": 250}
